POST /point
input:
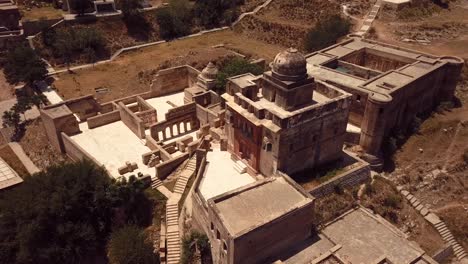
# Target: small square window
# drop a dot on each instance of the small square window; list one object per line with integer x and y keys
{"x": 218, "y": 235}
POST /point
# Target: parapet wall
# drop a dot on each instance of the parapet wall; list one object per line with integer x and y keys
{"x": 132, "y": 121}
{"x": 103, "y": 119}
{"x": 354, "y": 177}
{"x": 76, "y": 152}
{"x": 173, "y": 80}
{"x": 165, "y": 168}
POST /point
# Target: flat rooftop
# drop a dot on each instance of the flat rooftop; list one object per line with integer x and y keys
{"x": 163, "y": 104}
{"x": 8, "y": 177}
{"x": 413, "y": 65}
{"x": 357, "y": 236}
{"x": 112, "y": 145}
{"x": 220, "y": 176}
{"x": 367, "y": 238}
{"x": 263, "y": 201}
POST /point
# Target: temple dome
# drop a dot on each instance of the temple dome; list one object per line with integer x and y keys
{"x": 210, "y": 71}
{"x": 289, "y": 65}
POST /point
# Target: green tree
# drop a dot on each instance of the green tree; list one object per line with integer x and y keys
{"x": 130, "y": 245}
{"x": 213, "y": 13}
{"x": 235, "y": 66}
{"x": 24, "y": 65}
{"x": 61, "y": 215}
{"x": 195, "y": 244}
{"x": 175, "y": 20}
{"x": 326, "y": 33}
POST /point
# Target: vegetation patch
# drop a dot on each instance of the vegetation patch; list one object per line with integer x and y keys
{"x": 233, "y": 66}
{"x": 196, "y": 249}
{"x": 66, "y": 213}
{"x": 326, "y": 33}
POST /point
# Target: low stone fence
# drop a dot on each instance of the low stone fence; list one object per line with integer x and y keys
{"x": 103, "y": 119}
{"x": 165, "y": 168}
{"x": 350, "y": 178}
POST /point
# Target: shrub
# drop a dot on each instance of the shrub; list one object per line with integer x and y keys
{"x": 213, "y": 13}
{"x": 84, "y": 42}
{"x": 326, "y": 33}
{"x": 445, "y": 106}
{"x": 393, "y": 201}
{"x": 232, "y": 67}
{"x": 130, "y": 245}
{"x": 24, "y": 65}
{"x": 465, "y": 156}
{"x": 174, "y": 21}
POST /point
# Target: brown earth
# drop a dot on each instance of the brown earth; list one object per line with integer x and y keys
{"x": 430, "y": 163}
{"x": 6, "y": 90}
{"x": 399, "y": 212}
{"x": 36, "y": 145}
{"x": 9, "y": 156}
{"x": 285, "y": 22}
{"x": 446, "y": 30}
{"x": 132, "y": 72}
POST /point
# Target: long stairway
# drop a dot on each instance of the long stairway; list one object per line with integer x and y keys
{"x": 172, "y": 212}
{"x": 172, "y": 235}
{"x": 185, "y": 175}
{"x": 447, "y": 236}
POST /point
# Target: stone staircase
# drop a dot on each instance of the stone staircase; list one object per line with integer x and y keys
{"x": 172, "y": 234}
{"x": 438, "y": 224}
{"x": 155, "y": 182}
{"x": 240, "y": 167}
{"x": 367, "y": 24}
{"x": 447, "y": 236}
{"x": 185, "y": 175}
{"x": 172, "y": 212}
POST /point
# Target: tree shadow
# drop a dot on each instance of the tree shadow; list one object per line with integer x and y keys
{"x": 138, "y": 27}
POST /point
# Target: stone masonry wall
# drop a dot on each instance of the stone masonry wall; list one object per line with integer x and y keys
{"x": 103, "y": 119}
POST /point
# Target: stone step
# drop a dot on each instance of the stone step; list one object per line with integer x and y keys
{"x": 461, "y": 256}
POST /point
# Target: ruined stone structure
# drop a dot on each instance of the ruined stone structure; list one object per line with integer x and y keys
{"x": 390, "y": 85}
{"x": 10, "y": 23}
{"x": 285, "y": 120}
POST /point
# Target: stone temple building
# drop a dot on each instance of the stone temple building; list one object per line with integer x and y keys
{"x": 285, "y": 120}
{"x": 390, "y": 85}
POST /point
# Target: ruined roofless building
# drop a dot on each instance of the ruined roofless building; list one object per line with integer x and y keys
{"x": 390, "y": 85}
{"x": 285, "y": 120}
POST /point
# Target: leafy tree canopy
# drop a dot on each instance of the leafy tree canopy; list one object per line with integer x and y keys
{"x": 62, "y": 215}
{"x": 174, "y": 21}
{"x": 130, "y": 245}
{"x": 326, "y": 33}
{"x": 213, "y": 13}
{"x": 232, "y": 67}
{"x": 24, "y": 65}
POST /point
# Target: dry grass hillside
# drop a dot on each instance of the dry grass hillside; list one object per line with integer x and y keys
{"x": 285, "y": 22}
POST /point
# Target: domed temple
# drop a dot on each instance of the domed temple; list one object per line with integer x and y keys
{"x": 284, "y": 120}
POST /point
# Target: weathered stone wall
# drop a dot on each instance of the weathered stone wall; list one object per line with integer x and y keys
{"x": 172, "y": 80}
{"x": 55, "y": 126}
{"x": 274, "y": 237}
{"x": 315, "y": 138}
{"x": 103, "y": 119}
{"x": 377, "y": 60}
{"x": 354, "y": 177}
{"x": 133, "y": 122}
{"x": 177, "y": 122}
{"x": 75, "y": 152}
{"x": 165, "y": 168}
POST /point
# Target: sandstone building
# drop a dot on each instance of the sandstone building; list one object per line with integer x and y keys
{"x": 285, "y": 120}
{"x": 390, "y": 85}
